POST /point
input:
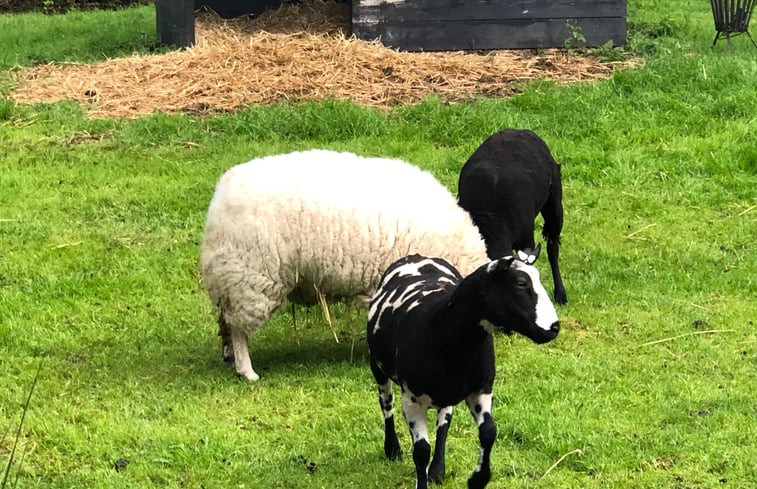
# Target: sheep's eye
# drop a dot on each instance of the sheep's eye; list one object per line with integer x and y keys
{"x": 522, "y": 284}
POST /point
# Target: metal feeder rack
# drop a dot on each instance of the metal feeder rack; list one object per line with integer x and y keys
{"x": 731, "y": 18}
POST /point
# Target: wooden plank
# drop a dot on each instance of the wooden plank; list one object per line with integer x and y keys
{"x": 492, "y": 34}
{"x": 371, "y": 11}
{"x": 175, "y": 22}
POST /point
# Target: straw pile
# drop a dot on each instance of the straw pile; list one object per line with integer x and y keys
{"x": 296, "y": 52}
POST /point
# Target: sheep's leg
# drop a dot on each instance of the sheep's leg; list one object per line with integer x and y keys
{"x": 242, "y": 362}
{"x": 553, "y": 253}
{"x": 227, "y": 352}
{"x": 436, "y": 469}
{"x": 480, "y": 406}
{"x": 245, "y": 310}
{"x": 386, "y": 401}
{"x": 552, "y": 212}
{"x": 416, "y": 417}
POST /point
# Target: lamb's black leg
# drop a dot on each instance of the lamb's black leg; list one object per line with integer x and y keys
{"x": 480, "y": 406}
{"x": 436, "y": 469}
{"x": 415, "y": 415}
{"x": 386, "y": 401}
{"x": 553, "y": 252}
{"x": 552, "y": 212}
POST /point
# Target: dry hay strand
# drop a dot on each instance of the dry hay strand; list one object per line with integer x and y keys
{"x": 296, "y": 52}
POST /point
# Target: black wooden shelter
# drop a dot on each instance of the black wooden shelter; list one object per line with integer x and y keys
{"x": 429, "y": 25}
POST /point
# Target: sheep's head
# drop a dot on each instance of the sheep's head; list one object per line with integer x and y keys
{"x": 515, "y": 300}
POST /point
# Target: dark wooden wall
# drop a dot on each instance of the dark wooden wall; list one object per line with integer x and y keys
{"x": 430, "y": 25}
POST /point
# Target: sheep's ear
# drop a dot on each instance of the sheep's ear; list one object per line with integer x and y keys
{"x": 529, "y": 256}
{"x": 499, "y": 265}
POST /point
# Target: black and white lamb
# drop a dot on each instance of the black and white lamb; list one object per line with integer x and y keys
{"x": 429, "y": 331}
{"x": 505, "y": 183}
{"x": 320, "y": 225}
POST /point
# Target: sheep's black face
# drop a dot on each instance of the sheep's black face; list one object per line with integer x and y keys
{"x": 517, "y": 301}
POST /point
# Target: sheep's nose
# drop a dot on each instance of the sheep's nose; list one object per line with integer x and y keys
{"x": 547, "y": 335}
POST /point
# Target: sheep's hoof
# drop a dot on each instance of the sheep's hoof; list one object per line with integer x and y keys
{"x": 393, "y": 452}
{"x": 251, "y": 376}
{"x": 561, "y": 297}
{"x": 436, "y": 474}
{"x": 479, "y": 479}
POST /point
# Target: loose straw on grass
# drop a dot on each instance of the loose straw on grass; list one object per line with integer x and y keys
{"x": 295, "y": 52}
{"x": 693, "y": 304}
{"x": 577, "y": 451}
{"x": 711, "y": 331}
{"x": 640, "y": 230}
{"x": 66, "y": 245}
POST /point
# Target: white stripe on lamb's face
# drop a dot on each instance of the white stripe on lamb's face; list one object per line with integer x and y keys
{"x": 546, "y": 315}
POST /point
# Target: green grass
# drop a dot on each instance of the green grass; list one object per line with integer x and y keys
{"x": 100, "y": 225}
{"x": 35, "y": 38}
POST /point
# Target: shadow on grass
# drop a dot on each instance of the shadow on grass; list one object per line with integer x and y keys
{"x": 196, "y": 363}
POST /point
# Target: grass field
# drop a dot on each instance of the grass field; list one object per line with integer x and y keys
{"x": 651, "y": 383}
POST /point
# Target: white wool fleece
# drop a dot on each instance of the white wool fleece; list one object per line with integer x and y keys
{"x": 321, "y": 218}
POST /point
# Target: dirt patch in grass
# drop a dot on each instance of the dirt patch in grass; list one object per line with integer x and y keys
{"x": 296, "y": 52}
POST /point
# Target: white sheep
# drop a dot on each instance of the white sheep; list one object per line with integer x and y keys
{"x": 322, "y": 224}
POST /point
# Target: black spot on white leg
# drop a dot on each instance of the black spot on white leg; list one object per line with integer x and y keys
{"x": 421, "y": 455}
{"x": 487, "y": 433}
{"x": 392, "y": 448}
{"x": 437, "y": 467}
{"x": 386, "y": 401}
{"x": 415, "y": 414}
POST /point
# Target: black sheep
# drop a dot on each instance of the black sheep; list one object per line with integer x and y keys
{"x": 429, "y": 331}
{"x": 505, "y": 183}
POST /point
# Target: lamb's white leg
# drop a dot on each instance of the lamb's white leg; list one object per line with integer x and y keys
{"x": 436, "y": 469}
{"x": 480, "y": 406}
{"x": 415, "y": 411}
{"x": 242, "y": 356}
